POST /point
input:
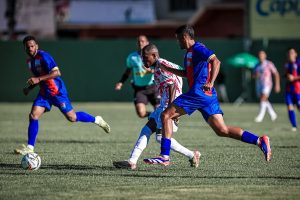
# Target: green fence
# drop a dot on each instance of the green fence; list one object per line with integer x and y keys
{"x": 91, "y": 68}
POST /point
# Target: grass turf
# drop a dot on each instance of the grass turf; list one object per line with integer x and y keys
{"x": 77, "y": 158}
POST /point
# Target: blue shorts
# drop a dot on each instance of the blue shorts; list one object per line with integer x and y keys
{"x": 292, "y": 98}
{"x": 207, "y": 105}
{"x": 61, "y": 101}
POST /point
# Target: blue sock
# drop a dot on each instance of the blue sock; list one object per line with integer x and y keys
{"x": 33, "y": 130}
{"x": 84, "y": 117}
{"x": 165, "y": 147}
{"x": 292, "y": 117}
{"x": 249, "y": 138}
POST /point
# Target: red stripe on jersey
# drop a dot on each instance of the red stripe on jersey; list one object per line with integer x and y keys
{"x": 52, "y": 87}
{"x": 296, "y": 83}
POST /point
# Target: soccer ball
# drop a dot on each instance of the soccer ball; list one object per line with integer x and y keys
{"x": 31, "y": 161}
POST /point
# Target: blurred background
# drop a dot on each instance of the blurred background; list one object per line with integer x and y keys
{"x": 90, "y": 40}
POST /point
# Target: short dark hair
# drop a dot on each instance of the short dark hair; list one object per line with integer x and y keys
{"x": 185, "y": 29}
{"x": 290, "y": 48}
{"x": 28, "y": 38}
{"x": 149, "y": 47}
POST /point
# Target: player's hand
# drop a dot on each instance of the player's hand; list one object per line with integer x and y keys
{"x": 33, "y": 81}
{"x": 207, "y": 86}
{"x": 26, "y": 91}
{"x": 290, "y": 77}
{"x": 119, "y": 86}
{"x": 277, "y": 88}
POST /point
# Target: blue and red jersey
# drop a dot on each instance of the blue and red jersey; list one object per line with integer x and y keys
{"x": 196, "y": 63}
{"x": 293, "y": 69}
{"x": 43, "y": 64}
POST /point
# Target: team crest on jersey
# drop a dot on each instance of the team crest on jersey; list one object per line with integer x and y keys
{"x": 62, "y": 106}
{"x": 189, "y": 55}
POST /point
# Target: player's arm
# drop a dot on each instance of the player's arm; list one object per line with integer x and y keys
{"x": 124, "y": 77}
{"x": 215, "y": 68}
{"x": 177, "y": 72}
{"x": 277, "y": 81}
{"x": 55, "y": 72}
{"x": 27, "y": 89}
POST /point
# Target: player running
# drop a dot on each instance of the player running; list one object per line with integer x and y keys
{"x": 201, "y": 69}
{"x": 292, "y": 94}
{"x": 263, "y": 73}
{"x": 142, "y": 83}
{"x": 169, "y": 87}
{"x": 46, "y": 75}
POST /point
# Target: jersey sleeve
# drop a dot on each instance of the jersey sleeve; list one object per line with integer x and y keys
{"x": 49, "y": 63}
{"x": 129, "y": 62}
{"x": 204, "y": 53}
{"x": 273, "y": 68}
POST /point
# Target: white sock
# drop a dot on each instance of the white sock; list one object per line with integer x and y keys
{"x": 270, "y": 109}
{"x": 30, "y": 147}
{"x": 141, "y": 144}
{"x": 175, "y": 146}
{"x": 262, "y": 110}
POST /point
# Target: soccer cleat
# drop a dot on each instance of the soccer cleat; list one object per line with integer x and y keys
{"x": 195, "y": 161}
{"x": 258, "y": 119}
{"x": 103, "y": 124}
{"x": 157, "y": 161}
{"x": 273, "y": 117}
{"x": 125, "y": 164}
{"x": 23, "y": 150}
{"x": 264, "y": 145}
{"x": 294, "y": 129}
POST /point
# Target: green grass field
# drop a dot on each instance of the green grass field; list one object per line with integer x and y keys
{"x": 77, "y": 158}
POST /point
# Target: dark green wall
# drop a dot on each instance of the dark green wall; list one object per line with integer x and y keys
{"x": 90, "y": 69}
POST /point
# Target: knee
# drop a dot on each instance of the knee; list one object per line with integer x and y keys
{"x": 222, "y": 132}
{"x": 165, "y": 116}
{"x": 33, "y": 116}
{"x": 71, "y": 118}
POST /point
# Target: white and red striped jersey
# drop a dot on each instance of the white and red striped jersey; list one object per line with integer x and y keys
{"x": 264, "y": 73}
{"x": 164, "y": 78}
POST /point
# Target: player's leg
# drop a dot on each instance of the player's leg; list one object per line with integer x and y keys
{"x": 193, "y": 156}
{"x": 140, "y": 102}
{"x": 217, "y": 123}
{"x": 167, "y": 115}
{"x": 153, "y": 97}
{"x": 289, "y": 100}
{"x": 139, "y": 146}
{"x": 65, "y": 106}
{"x": 265, "y": 98}
{"x": 33, "y": 128}
{"x": 262, "y": 108}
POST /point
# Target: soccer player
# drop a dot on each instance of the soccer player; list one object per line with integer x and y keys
{"x": 169, "y": 86}
{"x": 46, "y": 75}
{"x": 142, "y": 83}
{"x": 263, "y": 74}
{"x": 292, "y": 94}
{"x": 201, "y": 69}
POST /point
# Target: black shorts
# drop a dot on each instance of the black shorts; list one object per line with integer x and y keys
{"x": 146, "y": 94}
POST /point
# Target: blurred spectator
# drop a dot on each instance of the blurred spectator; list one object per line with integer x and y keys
{"x": 221, "y": 87}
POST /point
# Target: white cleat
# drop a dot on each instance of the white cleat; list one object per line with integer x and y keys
{"x": 294, "y": 129}
{"x": 258, "y": 119}
{"x": 23, "y": 150}
{"x": 273, "y": 117}
{"x": 103, "y": 124}
{"x": 195, "y": 161}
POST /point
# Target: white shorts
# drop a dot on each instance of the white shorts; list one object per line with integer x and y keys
{"x": 263, "y": 90}
{"x": 156, "y": 116}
